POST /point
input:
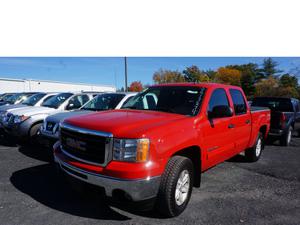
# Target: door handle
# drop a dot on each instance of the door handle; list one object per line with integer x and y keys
{"x": 248, "y": 121}
{"x": 230, "y": 126}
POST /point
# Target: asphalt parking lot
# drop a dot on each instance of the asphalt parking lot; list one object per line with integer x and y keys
{"x": 234, "y": 192}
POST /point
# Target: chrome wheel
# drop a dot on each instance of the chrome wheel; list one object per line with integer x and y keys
{"x": 182, "y": 187}
{"x": 258, "y": 147}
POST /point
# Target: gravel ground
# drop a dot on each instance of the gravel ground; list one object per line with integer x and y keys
{"x": 234, "y": 192}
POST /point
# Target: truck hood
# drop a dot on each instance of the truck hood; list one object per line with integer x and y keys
{"x": 125, "y": 123}
{"x": 33, "y": 110}
{"x": 57, "y": 117}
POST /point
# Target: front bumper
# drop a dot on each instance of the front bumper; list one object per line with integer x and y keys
{"x": 133, "y": 189}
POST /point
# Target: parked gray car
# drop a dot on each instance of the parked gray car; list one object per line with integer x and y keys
{"x": 24, "y": 123}
{"x": 34, "y": 100}
{"x": 17, "y": 98}
{"x": 50, "y": 129}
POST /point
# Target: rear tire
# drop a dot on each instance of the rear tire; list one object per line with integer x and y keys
{"x": 285, "y": 140}
{"x": 176, "y": 187}
{"x": 253, "y": 154}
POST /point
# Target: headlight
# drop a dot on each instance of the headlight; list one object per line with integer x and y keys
{"x": 2, "y": 116}
{"x": 131, "y": 150}
{"x": 19, "y": 119}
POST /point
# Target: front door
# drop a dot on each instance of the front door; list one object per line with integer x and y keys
{"x": 218, "y": 133}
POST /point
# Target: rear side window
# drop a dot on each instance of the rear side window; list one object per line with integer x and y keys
{"x": 239, "y": 103}
{"x": 218, "y": 98}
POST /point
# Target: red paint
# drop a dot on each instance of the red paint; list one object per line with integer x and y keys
{"x": 169, "y": 133}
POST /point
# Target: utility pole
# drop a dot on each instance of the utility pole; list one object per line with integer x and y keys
{"x": 125, "y": 60}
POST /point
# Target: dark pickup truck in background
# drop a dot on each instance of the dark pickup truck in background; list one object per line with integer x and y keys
{"x": 285, "y": 116}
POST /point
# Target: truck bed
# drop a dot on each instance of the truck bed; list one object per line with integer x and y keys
{"x": 254, "y": 109}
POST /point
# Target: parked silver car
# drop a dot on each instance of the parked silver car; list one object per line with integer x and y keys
{"x": 24, "y": 123}
{"x": 34, "y": 100}
{"x": 50, "y": 129}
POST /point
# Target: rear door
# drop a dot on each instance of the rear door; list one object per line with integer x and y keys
{"x": 217, "y": 133}
{"x": 241, "y": 121}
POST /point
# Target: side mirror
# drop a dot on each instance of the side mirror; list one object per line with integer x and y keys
{"x": 220, "y": 111}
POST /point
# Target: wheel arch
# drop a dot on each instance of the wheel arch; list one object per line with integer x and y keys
{"x": 194, "y": 154}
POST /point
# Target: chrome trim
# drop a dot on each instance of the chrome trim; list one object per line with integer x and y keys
{"x": 86, "y": 131}
{"x": 108, "y": 145}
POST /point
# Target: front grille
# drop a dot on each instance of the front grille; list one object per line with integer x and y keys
{"x": 10, "y": 118}
{"x": 87, "y": 147}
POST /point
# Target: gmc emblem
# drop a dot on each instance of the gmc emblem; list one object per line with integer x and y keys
{"x": 81, "y": 145}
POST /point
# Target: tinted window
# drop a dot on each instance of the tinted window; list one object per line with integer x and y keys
{"x": 239, "y": 103}
{"x": 57, "y": 100}
{"x": 218, "y": 98}
{"x": 33, "y": 99}
{"x": 275, "y": 104}
{"x": 77, "y": 101}
{"x": 172, "y": 99}
{"x": 16, "y": 97}
{"x": 104, "y": 102}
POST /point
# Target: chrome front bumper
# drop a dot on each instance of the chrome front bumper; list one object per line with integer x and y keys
{"x": 137, "y": 189}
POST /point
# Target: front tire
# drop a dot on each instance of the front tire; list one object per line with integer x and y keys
{"x": 285, "y": 140}
{"x": 253, "y": 154}
{"x": 176, "y": 186}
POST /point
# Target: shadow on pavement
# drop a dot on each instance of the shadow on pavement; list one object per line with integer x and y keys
{"x": 7, "y": 141}
{"x": 37, "y": 152}
{"x": 46, "y": 186}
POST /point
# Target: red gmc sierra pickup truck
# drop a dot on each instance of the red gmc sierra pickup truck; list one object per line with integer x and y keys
{"x": 158, "y": 144}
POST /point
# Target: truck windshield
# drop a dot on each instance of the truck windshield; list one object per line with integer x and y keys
{"x": 182, "y": 100}
{"x": 32, "y": 100}
{"x": 57, "y": 100}
{"x": 275, "y": 104}
{"x": 103, "y": 102}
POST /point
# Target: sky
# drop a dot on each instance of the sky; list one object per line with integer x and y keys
{"x": 110, "y": 70}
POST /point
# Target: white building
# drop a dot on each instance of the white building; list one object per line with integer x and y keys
{"x": 28, "y": 85}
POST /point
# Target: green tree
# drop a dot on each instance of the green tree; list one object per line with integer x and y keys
{"x": 194, "y": 74}
{"x": 287, "y": 80}
{"x": 167, "y": 76}
{"x": 269, "y": 68}
{"x": 250, "y": 73}
{"x": 210, "y": 73}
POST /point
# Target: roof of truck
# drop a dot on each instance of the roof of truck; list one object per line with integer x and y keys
{"x": 192, "y": 84}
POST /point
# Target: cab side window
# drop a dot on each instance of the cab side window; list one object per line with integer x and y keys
{"x": 77, "y": 101}
{"x": 218, "y": 98}
{"x": 239, "y": 103}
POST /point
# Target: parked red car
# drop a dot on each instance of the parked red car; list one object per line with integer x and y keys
{"x": 157, "y": 146}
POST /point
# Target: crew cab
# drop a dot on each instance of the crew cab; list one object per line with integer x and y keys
{"x": 157, "y": 145}
{"x": 24, "y": 123}
{"x": 285, "y": 116}
{"x": 49, "y": 131}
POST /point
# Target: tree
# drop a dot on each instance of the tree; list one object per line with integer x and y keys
{"x": 249, "y": 75}
{"x": 228, "y": 76}
{"x": 210, "y": 73}
{"x": 194, "y": 74}
{"x": 136, "y": 86}
{"x": 167, "y": 76}
{"x": 269, "y": 68}
{"x": 267, "y": 87}
{"x": 287, "y": 80}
